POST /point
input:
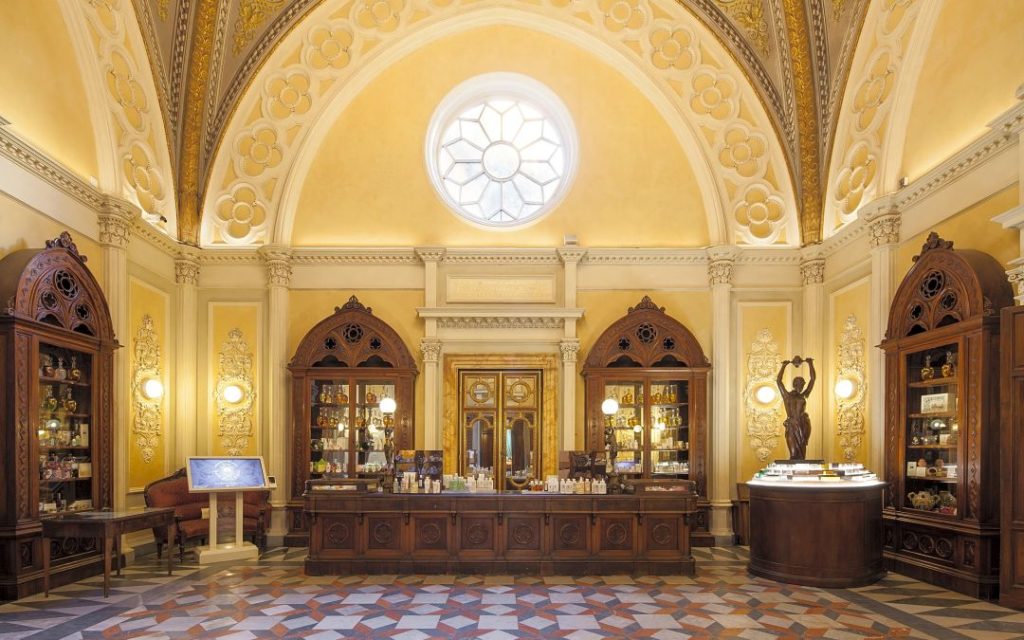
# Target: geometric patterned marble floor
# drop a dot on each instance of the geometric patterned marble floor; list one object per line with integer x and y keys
{"x": 272, "y": 598}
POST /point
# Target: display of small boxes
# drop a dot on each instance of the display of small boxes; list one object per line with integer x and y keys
{"x": 935, "y": 403}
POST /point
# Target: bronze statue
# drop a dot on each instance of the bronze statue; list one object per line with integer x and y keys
{"x": 798, "y": 423}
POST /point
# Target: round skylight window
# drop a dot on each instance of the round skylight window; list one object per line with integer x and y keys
{"x": 501, "y": 150}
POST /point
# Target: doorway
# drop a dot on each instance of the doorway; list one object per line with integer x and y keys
{"x": 500, "y": 425}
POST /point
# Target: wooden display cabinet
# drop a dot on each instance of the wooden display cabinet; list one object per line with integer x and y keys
{"x": 341, "y": 371}
{"x": 56, "y": 349}
{"x": 941, "y": 513}
{"x": 1011, "y": 513}
{"x": 657, "y": 372}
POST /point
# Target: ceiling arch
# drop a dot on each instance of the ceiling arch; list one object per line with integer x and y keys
{"x": 322, "y": 57}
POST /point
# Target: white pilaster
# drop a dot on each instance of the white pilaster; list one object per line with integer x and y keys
{"x": 431, "y": 350}
{"x": 720, "y": 269}
{"x": 1014, "y": 219}
{"x": 186, "y": 275}
{"x": 812, "y": 270}
{"x": 115, "y": 219}
{"x": 430, "y": 256}
{"x": 279, "y": 274}
{"x": 884, "y": 237}
{"x": 570, "y": 348}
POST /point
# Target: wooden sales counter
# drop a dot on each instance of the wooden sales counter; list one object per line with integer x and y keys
{"x": 816, "y": 534}
{"x": 508, "y": 532}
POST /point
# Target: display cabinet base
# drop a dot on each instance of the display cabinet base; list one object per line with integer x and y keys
{"x": 501, "y": 567}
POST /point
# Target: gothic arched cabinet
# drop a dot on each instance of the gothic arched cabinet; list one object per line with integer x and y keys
{"x": 341, "y": 371}
{"x": 56, "y": 350}
{"x": 655, "y": 369}
{"x": 941, "y": 513}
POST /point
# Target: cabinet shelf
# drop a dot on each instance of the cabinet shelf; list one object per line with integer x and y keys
{"x": 51, "y": 481}
{"x": 70, "y": 383}
{"x": 44, "y": 448}
{"x": 940, "y": 480}
{"x": 934, "y": 382}
{"x": 937, "y": 414}
{"x": 932, "y": 446}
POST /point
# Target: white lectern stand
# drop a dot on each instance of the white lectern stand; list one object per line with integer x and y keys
{"x": 217, "y": 475}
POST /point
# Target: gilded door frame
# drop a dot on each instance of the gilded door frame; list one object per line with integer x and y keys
{"x": 547, "y": 363}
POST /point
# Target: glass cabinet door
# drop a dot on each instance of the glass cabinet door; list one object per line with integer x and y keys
{"x": 330, "y": 435}
{"x": 932, "y": 431}
{"x": 627, "y": 424}
{"x": 670, "y": 428}
{"x": 369, "y": 424}
{"x": 63, "y": 430}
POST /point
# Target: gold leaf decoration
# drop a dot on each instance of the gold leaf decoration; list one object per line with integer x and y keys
{"x": 764, "y": 420}
{"x": 146, "y": 423}
{"x": 251, "y": 14}
{"x": 235, "y": 418}
{"x": 749, "y": 15}
{"x": 850, "y": 411}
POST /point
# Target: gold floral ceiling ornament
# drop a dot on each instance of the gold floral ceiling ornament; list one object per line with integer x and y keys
{"x": 749, "y": 15}
{"x": 850, "y": 410}
{"x": 764, "y": 419}
{"x": 235, "y": 417}
{"x": 146, "y": 421}
{"x": 252, "y": 14}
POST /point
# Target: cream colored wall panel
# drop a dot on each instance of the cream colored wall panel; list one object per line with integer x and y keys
{"x": 232, "y": 276}
{"x": 143, "y": 254}
{"x": 150, "y": 430}
{"x": 23, "y": 227}
{"x": 333, "y": 276}
{"x": 627, "y": 277}
{"x": 234, "y": 356}
{"x": 853, "y": 300}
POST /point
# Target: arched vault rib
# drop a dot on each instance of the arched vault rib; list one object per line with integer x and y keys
{"x": 684, "y": 69}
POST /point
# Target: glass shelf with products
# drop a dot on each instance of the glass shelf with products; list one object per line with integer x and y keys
{"x": 63, "y": 429}
{"x": 932, "y": 431}
{"x": 347, "y": 426}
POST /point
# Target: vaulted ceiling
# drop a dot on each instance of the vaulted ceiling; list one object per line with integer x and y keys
{"x": 796, "y": 53}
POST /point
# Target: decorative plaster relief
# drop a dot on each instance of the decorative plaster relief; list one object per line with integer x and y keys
{"x": 658, "y": 38}
{"x": 764, "y": 420}
{"x": 850, "y": 411}
{"x": 235, "y": 420}
{"x": 146, "y": 424}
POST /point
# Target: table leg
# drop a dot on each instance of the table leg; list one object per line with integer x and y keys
{"x": 108, "y": 542}
{"x": 46, "y": 567}
{"x": 117, "y": 556}
{"x": 170, "y": 547}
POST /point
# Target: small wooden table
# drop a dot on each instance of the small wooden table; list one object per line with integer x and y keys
{"x": 108, "y": 526}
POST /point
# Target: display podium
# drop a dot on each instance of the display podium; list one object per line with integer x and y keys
{"x": 226, "y": 475}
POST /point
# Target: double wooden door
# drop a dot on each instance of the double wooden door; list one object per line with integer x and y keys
{"x": 499, "y": 418}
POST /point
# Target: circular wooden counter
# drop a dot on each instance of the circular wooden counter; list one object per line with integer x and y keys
{"x": 818, "y": 535}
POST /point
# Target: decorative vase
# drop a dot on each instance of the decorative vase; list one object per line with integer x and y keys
{"x": 75, "y": 373}
{"x": 60, "y": 372}
{"x": 46, "y": 366}
{"x": 949, "y": 367}
{"x": 927, "y": 372}
{"x": 325, "y": 396}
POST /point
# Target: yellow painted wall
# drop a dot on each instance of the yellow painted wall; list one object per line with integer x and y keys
{"x": 369, "y": 186}
{"x": 396, "y": 307}
{"x": 225, "y": 316}
{"x": 602, "y": 308}
{"x": 25, "y": 228}
{"x": 43, "y": 93}
{"x": 970, "y": 74}
{"x": 972, "y": 228}
{"x": 855, "y": 301}
{"x": 145, "y": 300}
{"x": 753, "y": 318}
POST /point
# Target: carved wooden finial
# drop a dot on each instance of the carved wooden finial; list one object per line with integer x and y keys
{"x": 646, "y": 304}
{"x": 933, "y": 242}
{"x": 64, "y": 241}
{"x": 353, "y": 304}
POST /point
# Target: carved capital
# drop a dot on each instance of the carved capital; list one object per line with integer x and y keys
{"x": 720, "y": 272}
{"x": 278, "y": 261}
{"x": 884, "y": 228}
{"x": 569, "y": 349}
{"x": 115, "y": 219}
{"x": 1016, "y": 277}
{"x": 431, "y": 350}
{"x": 186, "y": 269}
{"x": 813, "y": 271}
{"x": 430, "y": 254}
{"x": 571, "y": 254}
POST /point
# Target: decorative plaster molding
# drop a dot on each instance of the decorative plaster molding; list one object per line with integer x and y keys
{"x": 850, "y": 411}
{"x": 571, "y": 254}
{"x": 186, "y": 269}
{"x": 570, "y": 349}
{"x": 884, "y": 228}
{"x": 49, "y": 170}
{"x": 116, "y": 219}
{"x": 612, "y": 256}
{"x": 495, "y": 318}
{"x": 720, "y": 265}
{"x": 235, "y": 420}
{"x": 501, "y": 256}
{"x": 764, "y": 420}
{"x": 1016, "y": 277}
{"x": 765, "y": 257}
{"x": 431, "y": 350}
{"x": 430, "y": 254}
{"x": 146, "y": 425}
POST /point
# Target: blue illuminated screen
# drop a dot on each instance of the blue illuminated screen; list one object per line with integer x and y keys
{"x": 225, "y": 474}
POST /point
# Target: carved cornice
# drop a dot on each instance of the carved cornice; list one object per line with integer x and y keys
{"x": 571, "y": 254}
{"x": 501, "y": 256}
{"x": 116, "y": 219}
{"x": 28, "y": 157}
{"x": 430, "y": 254}
{"x": 612, "y": 256}
{"x": 492, "y": 318}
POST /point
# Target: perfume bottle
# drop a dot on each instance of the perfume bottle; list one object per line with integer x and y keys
{"x": 927, "y": 372}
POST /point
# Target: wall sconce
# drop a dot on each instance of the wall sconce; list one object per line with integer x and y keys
{"x": 765, "y": 394}
{"x": 845, "y": 388}
{"x": 232, "y": 393}
{"x": 610, "y": 407}
{"x": 153, "y": 389}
